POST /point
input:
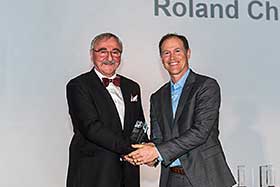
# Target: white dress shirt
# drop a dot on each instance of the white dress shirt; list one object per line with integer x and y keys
{"x": 116, "y": 95}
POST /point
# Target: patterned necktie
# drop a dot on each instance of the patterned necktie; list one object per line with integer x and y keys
{"x": 116, "y": 81}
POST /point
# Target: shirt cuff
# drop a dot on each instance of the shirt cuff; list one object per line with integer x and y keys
{"x": 159, "y": 156}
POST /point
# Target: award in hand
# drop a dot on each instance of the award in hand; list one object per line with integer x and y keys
{"x": 138, "y": 132}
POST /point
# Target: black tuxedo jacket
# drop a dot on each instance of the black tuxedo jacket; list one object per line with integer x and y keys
{"x": 192, "y": 136}
{"x": 99, "y": 141}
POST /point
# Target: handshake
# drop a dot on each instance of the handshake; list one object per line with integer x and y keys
{"x": 144, "y": 154}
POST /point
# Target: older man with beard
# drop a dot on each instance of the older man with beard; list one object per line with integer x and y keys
{"x": 104, "y": 106}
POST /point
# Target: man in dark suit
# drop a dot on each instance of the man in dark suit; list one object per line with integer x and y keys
{"x": 104, "y": 107}
{"x": 184, "y": 123}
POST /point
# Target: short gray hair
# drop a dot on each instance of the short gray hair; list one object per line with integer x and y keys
{"x": 106, "y": 35}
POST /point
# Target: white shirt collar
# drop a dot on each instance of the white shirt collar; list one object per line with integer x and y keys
{"x": 100, "y": 75}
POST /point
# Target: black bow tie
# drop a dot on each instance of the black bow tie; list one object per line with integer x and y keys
{"x": 116, "y": 81}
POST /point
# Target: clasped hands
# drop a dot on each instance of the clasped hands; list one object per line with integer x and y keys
{"x": 144, "y": 154}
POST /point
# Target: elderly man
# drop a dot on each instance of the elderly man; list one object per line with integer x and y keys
{"x": 184, "y": 122}
{"x": 104, "y": 106}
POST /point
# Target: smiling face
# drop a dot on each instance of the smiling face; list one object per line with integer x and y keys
{"x": 175, "y": 58}
{"x": 106, "y": 56}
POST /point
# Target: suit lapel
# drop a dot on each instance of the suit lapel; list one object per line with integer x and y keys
{"x": 103, "y": 95}
{"x": 126, "y": 97}
{"x": 184, "y": 96}
{"x": 166, "y": 108}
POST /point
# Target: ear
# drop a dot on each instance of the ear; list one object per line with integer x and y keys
{"x": 189, "y": 53}
{"x": 91, "y": 55}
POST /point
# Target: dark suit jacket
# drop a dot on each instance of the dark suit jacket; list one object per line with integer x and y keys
{"x": 192, "y": 136}
{"x": 99, "y": 141}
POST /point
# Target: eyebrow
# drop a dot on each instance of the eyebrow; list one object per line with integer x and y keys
{"x": 173, "y": 49}
{"x": 116, "y": 49}
{"x": 100, "y": 49}
{"x": 178, "y": 48}
{"x": 104, "y": 48}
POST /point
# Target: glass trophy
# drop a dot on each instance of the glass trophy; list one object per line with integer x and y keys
{"x": 241, "y": 180}
{"x": 267, "y": 178}
{"x": 138, "y": 133}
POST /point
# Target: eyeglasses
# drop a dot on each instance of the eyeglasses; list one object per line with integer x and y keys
{"x": 105, "y": 53}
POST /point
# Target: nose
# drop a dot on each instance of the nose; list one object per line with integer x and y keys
{"x": 172, "y": 56}
{"x": 110, "y": 58}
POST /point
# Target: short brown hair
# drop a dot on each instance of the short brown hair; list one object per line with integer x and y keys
{"x": 172, "y": 35}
